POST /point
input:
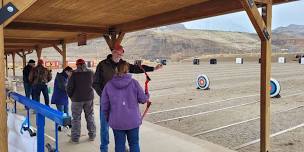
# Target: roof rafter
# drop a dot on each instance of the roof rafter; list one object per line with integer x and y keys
{"x": 33, "y": 41}
{"x": 19, "y": 47}
{"x": 55, "y": 27}
{"x": 197, "y": 11}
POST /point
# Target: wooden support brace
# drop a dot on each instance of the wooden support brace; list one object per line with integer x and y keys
{"x": 120, "y": 37}
{"x": 256, "y": 19}
{"x": 62, "y": 53}
{"x": 57, "y": 49}
{"x": 112, "y": 38}
{"x": 19, "y": 54}
{"x": 38, "y": 51}
{"x": 28, "y": 52}
{"x": 109, "y": 42}
{"x": 23, "y": 56}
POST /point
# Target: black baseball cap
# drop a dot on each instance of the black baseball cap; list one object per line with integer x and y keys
{"x": 31, "y": 61}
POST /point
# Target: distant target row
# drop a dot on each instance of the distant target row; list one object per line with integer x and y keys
{"x": 203, "y": 83}
{"x": 241, "y": 60}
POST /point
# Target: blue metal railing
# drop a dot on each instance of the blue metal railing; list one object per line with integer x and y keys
{"x": 42, "y": 111}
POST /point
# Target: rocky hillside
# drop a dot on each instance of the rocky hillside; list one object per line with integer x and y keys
{"x": 176, "y": 42}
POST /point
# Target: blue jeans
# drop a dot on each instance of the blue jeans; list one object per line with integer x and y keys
{"x": 63, "y": 108}
{"x": 28, "y": 90}
{"x": 120, "y": 140}
{"x": 37, "y": 89}
{"x": 104, "y": 132}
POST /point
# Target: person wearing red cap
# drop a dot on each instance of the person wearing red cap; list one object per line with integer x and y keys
{"x": 80, "y": 91}
{"x": 104, "y": 72}
{"x": 39, "y": 77}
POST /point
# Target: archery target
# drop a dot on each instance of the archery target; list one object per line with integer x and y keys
{"x": 275, "y": 87}
{"x": 202, "y": 82}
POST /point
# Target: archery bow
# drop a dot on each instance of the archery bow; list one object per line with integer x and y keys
{"x": 148, "y": 79}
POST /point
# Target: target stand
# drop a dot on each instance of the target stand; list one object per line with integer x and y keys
{"x": 275, "y": 88}
{"x": 202, "y": 82}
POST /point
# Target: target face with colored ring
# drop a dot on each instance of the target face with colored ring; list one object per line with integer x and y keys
{"x": 202, "y": 82}
{"x": 275, "y": 87}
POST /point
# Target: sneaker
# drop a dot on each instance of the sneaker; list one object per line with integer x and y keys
{"x": 59, "y": 128}
{"x": 74, "y": 141}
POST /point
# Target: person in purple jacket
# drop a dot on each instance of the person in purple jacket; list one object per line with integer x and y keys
{"x": 120, "y": 99}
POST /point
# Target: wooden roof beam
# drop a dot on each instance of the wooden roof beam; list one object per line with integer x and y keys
{"x": 262, "y": 1}
{"x": 34, "y": 41}
{"x": 18, "y": 47}
{"x": 256, "y": 19}
{"x": 10, "y": 50}
{"x": 55, "y": 27}
{"x": 197, "y": 11}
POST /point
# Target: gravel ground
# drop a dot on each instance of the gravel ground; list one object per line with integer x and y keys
{"x": 173, "y": 90}
{"x": 231, "y": 85}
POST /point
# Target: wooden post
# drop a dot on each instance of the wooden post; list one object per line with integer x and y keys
{"x": 21, "y": 5}
{"x": 23, "y": 58}
{"x": 262, "y": 25}
{"x": 265, "y": 81}
{"x": 38, "y": 51}
{"x": 3, "y": 114}
{"x": 14, "y": 67}
{"x": 6, "y": 70}
{"x": 64, "y": 55}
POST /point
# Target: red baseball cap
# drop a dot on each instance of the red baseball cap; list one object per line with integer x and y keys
{"x": 80, "y": 62}
{"x": 40, "y": 62}
{"x": 118, "y": 47}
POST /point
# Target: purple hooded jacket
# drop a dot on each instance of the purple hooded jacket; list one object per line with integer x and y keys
{"x": 120, "y": 99}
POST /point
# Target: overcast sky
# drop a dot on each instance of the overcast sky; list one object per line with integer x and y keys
{"x": 283, "y": 15}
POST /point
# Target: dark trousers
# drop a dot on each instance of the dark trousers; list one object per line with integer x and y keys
{"x": 120, "y": 140}
{"x": 37, "y": 89}
{"x": 28, "y": 90}
{"x": 63, "y": 108}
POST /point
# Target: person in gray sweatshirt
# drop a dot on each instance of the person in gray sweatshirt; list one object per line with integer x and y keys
{"x": 80, "y": 91}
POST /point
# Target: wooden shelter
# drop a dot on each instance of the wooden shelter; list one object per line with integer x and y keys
{"x": 31, "y": 25}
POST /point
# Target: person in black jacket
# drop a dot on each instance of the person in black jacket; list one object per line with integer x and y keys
{"x": 80, "y": 90}
{"x": 104, "y": 72}
{"x": 26, "y": 72}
